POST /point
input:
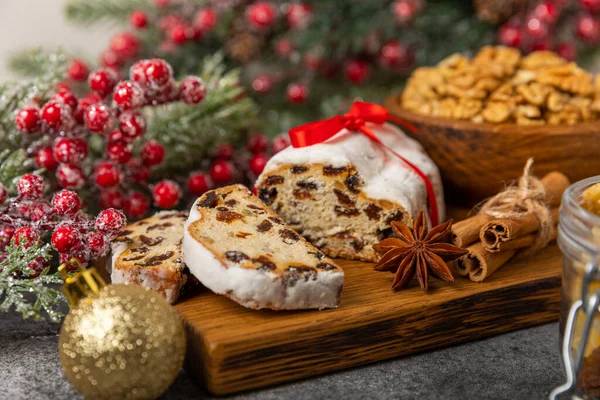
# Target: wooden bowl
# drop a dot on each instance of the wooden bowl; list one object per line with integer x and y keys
{"x": 477, "y": 160}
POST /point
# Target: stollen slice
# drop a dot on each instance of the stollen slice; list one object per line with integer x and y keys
{"x": 238, "y": 247}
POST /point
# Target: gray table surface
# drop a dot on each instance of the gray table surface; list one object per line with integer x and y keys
{"x": 518, "y": 365}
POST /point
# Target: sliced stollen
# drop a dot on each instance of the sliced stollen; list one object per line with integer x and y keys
{"x": 343, "y": 193}
{"x": 148, "y": 253}
{"x": 238, "y": 247}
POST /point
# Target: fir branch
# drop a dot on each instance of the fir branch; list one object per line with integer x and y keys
{"x": 36, "y": 61}
{"x": 16, "y": 288}
{"x": 86, "y": 12}
{"x": 14, "y": 164}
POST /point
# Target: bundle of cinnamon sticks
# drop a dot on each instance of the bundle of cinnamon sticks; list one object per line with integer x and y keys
{"x": 492, "y": 242}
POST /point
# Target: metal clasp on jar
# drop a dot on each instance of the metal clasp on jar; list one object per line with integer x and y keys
{"x": 589, "y": 305}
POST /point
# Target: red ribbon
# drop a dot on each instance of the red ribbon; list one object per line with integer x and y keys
{"x": 355, "y": 120}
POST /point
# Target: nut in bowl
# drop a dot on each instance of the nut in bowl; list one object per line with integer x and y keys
{"x": 481, "y": 119}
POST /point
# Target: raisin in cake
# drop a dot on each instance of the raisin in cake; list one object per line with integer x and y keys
{"x": 148, "y": 253}
{"x": 342, "y": 194}
{"x": 238, "y": 247}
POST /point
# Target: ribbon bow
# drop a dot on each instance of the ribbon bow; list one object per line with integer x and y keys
{"x": 355, "y": 120}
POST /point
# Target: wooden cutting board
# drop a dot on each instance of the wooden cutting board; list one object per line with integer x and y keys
{"x": 231, "y": 348}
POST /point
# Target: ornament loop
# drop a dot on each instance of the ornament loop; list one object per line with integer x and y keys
{"x": 83, "y": 283}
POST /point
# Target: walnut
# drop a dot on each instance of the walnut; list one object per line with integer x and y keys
{"x": 496, "y": 112}
{"x": 568, "y": 78}
{"x": 472, "y": 93}
{"x": 535, "y": 93}
{"x": 565, "y": 117}
{"x": 557, "y": 101}
{"x": 523, "y": 76}
{"x": 447, "y": 107}
{"x": 527, "y": 111}
{"x": 541, "y": 60}
{"x": 467, "y": 108}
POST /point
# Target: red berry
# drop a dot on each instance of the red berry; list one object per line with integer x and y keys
{"x": 138, "y": 19}
{"x": 28, "y": 119}
{"x": 65, "y": 238}
{"x": 102, "y": 81}
{"x": 139, "y": 172}
{"x": 151, "y": 73}
{"x": 394, "y": 54}
{"x": 97, "y": 244}
{"x": 132, "y": 124}
{"x": 284, "y": 47}
{"x": 546, "y": 11}
{"x": 66, "y": 203}
{"x": 312, "y": 60}
{"x": 136, "y": 205}
{"x": 198, "y": 183}
{"x": 356, "y": 71}
{"x": 205, "y": 20}
{"x": 70, "y": 150}
{"x": 297, "y": 92}
{"x": 404, "y": 10}
{"x": 165, "y": 94}
{"x": 111, "y": 198}
{"x": 257, "y": 143}
{"x": 181, "y": 33}
{"x": 536, "y": 28}
{"x": 224, "y": 151}
{"x": 221, "y": 172}
{"x": 168, "y": 21}
{"x": 542, "y": 45}
{"x": 70, "y": 176}
{"x": 299, "y": 15}
{"x": 261, "y": 14}
{"x": 27, "y": 236}
{"x": 279, "y": 143}
{"x": 262, "y": 84}
{"x": 128, "y": 95}
{"x": 97, "y": 117}
{"x": 119, "y": 151}
{"x": 153, "y": 153}
{"x": 54, "y": 115}
{"x": 107, "y": 175}
{"x": 110, "y": 59}
{"x": 116, "y": 136}
{"x": 44, "y": 158}
{"x": 110, "y": 222}
{"x": 84, "y": 103}
{"x": 30, "y": 186}
{"x": 67, "y": 97}
{"x": 510, "y": 35}
{"x": 3, "y": 194}
{"x": 78, "y": 70}
{"x": 6, "y": 233}
{"x": 566, "y": 50}
{"x": 591, "y": 5}
{"x": 192, "y": 90}
{"x": 125, "y": 45}
{"x": 162, "y": 3}
{"x": 588, "y": 28}
{"x": 37, "y": 266}
{"x": 166, "y": 194}
{"x": 258, "y": 162}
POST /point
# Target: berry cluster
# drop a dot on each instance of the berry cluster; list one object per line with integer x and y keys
{"x": 62, "y": 129}
{"x": 29, "y": 218}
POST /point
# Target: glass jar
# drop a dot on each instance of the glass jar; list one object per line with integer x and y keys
{"x": 579, "y": 240}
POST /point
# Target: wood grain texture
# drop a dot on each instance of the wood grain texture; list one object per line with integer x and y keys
{"x": 476, "y": 160}
{"x": 232, "y": 349}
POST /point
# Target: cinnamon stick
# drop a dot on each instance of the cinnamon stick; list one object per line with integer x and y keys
{"x": 466, "y": 232}
{"x": 521, "y": 242}
{"x": 481, "y": 263}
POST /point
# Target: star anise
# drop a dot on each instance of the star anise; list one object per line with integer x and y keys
{"x": 418, "y": 251}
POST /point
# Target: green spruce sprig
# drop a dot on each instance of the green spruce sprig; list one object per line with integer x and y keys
{"x": 86, "y": 12}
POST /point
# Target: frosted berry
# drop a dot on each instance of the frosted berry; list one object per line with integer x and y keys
{"x": 284, "y": 47}
{"x": 257, "y": 144}
{"x": 67, "y": 97}
{"x": 6, "y": 234}
{"x": 162, "y": 3}
{"x": 26, "y": 236}
{"x": 312, "y": 60}
{"x": 153, "y": 153}
{"x": 138, "y": 19}
{"x": 262, "y": 84}
{"x": 54, "y": 115}
{"x": 192, "y": 90}
{"x": 111, "y": 198}
{"x": 164, "y": 94}
{"x": 261, "y": 14}
{"x": 297, "y": 93}
{"x": 97, "y": 244}
{"x": 3, "y": 194}
{"x": 153, "y": 72}
{"x": 66, "y": 203}
{"x": 139, "y": 172}
{"x": 221, "y": 172}
{"x": 65, "y": 239}
{"x": 83, "y": 104}
{"x": 136, "y": 204}
{"x": 107, "y": 175}
{"x": 128, "y": 95}
{"x": 404, "y": 10}
{"x": 258, "y": 162}
{"x": 566, "y": 50}
{"x": 166, "y": 194}
{"x": 30, "y": 186}
{"x": 44, "y": 158}
{"x": 541, "y": 45}
{"x": 70, "y": 176}
{"x": 132, "y": 124}
{"x": 546, "y": 11}
{"x": 97, "y": 117}
{"x": 205, "y": 20}
{"x": 110, "y": 222}
{"x": 78, "y": 70}
{"x": 536, "y": 28}
{"x": 279, "y": 143}
{"x": 587, "y": 28}
{"x": 510, "y": 35}
{"x": 395, "y": 54}
{"x": 356, "y": 71}
{"x": 298, "y": 15}
{"x": 125, "y": 45}
{"x": 28, "y": 119}
{"x": 70, "y": 150}
{"x": 119, "y": 151}
{"x": 180, "y": 33}
{"x": 224, "y": 151}
{"x": 198, "y": 183}
{"x": 591, "y": 5}
{"x": 110, "y": 59}
{"x": 102, "y": 81}
{"x": 39, "y": 210}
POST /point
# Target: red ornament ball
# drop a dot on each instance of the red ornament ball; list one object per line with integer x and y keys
{"x": 198, "y": 183}
{"x": 279, "y": 143}
{"x": 224, "y": 151}
{"x": 26, "y": 236}
{"x": 110, "y": 222}
{"x": 67, "y": 97}
{"x": 356, "y": 71}
{"x": 102, "y": 81}
{"x": 55, "y": 115}
{"x": 262, "y": 84}
{"x": 119, "y": 151}
{"x": 261, "y": 14}
{"x": 70, "y": 176}
{"x": 587, "y": 28}
{"x": 65, "y": 239}
{"x": 66, "y": 203}
{"x": 97, "y": 118}
{"x": 192, "y": 90}
{"x": 136, "y": 204}
{"x": 132, "y": 124}
{"x": 28, "y": 119}
{"x": 111, "y": 198}
{"x": 205, "y": 20}
{"x": 566, "y": 50}
{"x": 125, "y": 45}
{"x": 138, "y": 19}
{"x": 107, "y": 175}
{"x": 128, "y": 95}
{"x": 78, "y": 70}
{"x": 297, "y": 93}
{"x": 257, "y": 144}
{"x": 70, "y": 150}
{"x": 166, "y": 194}
{"x": 510, "y": 35}
{"x": 221, "y": 172}
{"x": 30, "y": 186}
{"x": 153, "y": 153}
{"x": 591, "y": 5}
{"x": 97, "y": 244}
{"x": 44, "y": 158}
{"x": 258, "y": 162}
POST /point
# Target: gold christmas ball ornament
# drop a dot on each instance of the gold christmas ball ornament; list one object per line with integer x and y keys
{"x": 119, "y": 341}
